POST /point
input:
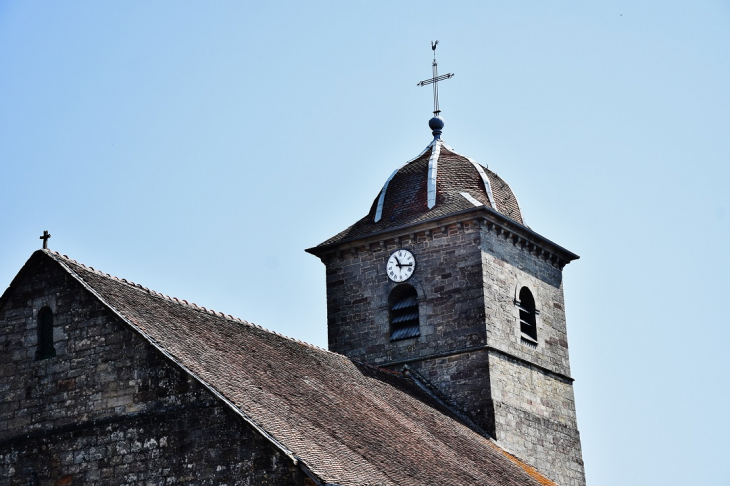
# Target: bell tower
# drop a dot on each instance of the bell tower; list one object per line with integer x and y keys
{"x": 442, "y": 278}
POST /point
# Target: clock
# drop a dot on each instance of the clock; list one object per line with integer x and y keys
{"x": 400, "y": 266}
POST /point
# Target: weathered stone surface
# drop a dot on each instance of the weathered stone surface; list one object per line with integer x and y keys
{"x": 506, "y": 268}
{"x": 534, "y": 416}
{"x": 470, "y": 349}
{"x": 109, "y": 408}
{"x": 450, "y": 299}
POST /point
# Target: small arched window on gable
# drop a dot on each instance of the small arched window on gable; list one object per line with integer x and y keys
{"x": 45, "y": 335}
{"x": 528, "y": 321}
{"x": 403, "y": 307}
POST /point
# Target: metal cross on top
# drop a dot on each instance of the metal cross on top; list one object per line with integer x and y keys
{"x": 435, "y": 80}
{"x": 45, "y": 237}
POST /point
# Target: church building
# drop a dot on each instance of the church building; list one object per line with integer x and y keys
{"x": 447, "y": 363}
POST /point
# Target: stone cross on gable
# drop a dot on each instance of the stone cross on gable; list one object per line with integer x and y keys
{"x": 435, "y": 80}
{"x": 45, "y": 237}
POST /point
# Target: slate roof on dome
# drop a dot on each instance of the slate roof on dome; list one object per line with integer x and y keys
{"x": 406, "y": 197}
{"x": 346, "y": 422}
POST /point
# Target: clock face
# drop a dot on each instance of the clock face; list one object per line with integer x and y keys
{"x": 400, "y": 266}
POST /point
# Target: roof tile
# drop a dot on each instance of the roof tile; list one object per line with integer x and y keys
{"x": 406, "y": 203}
{"x": 349, "y": 423}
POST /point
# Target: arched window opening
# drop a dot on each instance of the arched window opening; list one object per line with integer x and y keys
{"x": 403, "y": 306}
{"x": 528, "y": 323}
{"x": 45, "y": 335}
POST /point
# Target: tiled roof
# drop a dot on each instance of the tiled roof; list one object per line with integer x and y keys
{"x": 406, "y": 194}
{"x": 346, "y": 422}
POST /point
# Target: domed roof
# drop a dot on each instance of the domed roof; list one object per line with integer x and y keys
{"x": 437, "y": 183}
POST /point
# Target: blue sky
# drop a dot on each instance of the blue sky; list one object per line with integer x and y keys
{"x": 198, "y": 148}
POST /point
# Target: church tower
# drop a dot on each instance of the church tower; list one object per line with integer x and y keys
{"x": 444, "y": 280}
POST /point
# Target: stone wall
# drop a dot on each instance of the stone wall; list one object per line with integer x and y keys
{"x": 109, "y": 408}
{"x": 534, "y": 418}
{"x": 506, "y": 269}
{"x": 533, "y": 406}
{"x": 468, "y": 277}
{"x": 463, "y": 380}
{"x": 447, "y": 278}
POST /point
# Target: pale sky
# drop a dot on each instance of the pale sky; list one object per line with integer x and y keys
{"x": 198, "y": 148}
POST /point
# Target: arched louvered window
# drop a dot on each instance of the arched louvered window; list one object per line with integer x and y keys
{"x": 403, "y": 306}
{"x": 45, "y": 335}
{"x": 528, "y": 323}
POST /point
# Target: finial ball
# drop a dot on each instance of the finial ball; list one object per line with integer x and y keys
{"x": 436, "y": 123}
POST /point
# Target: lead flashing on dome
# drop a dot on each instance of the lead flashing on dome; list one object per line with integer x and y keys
{"x": 432, "y": 173}
{"x": 519, "y": 209}
{"x": 381, "y": 199}
{"x": 487, "y": 184}
{"x": 472, "y": 199}
{"x": 482, "y": 174}
{"x": 485, "y": 180}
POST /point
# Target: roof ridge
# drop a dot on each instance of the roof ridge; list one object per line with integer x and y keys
{"x": 397, "y": 373}
{"x": 56, "y": 255}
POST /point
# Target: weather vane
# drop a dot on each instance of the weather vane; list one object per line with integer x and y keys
{"x": 435, "y": 80}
